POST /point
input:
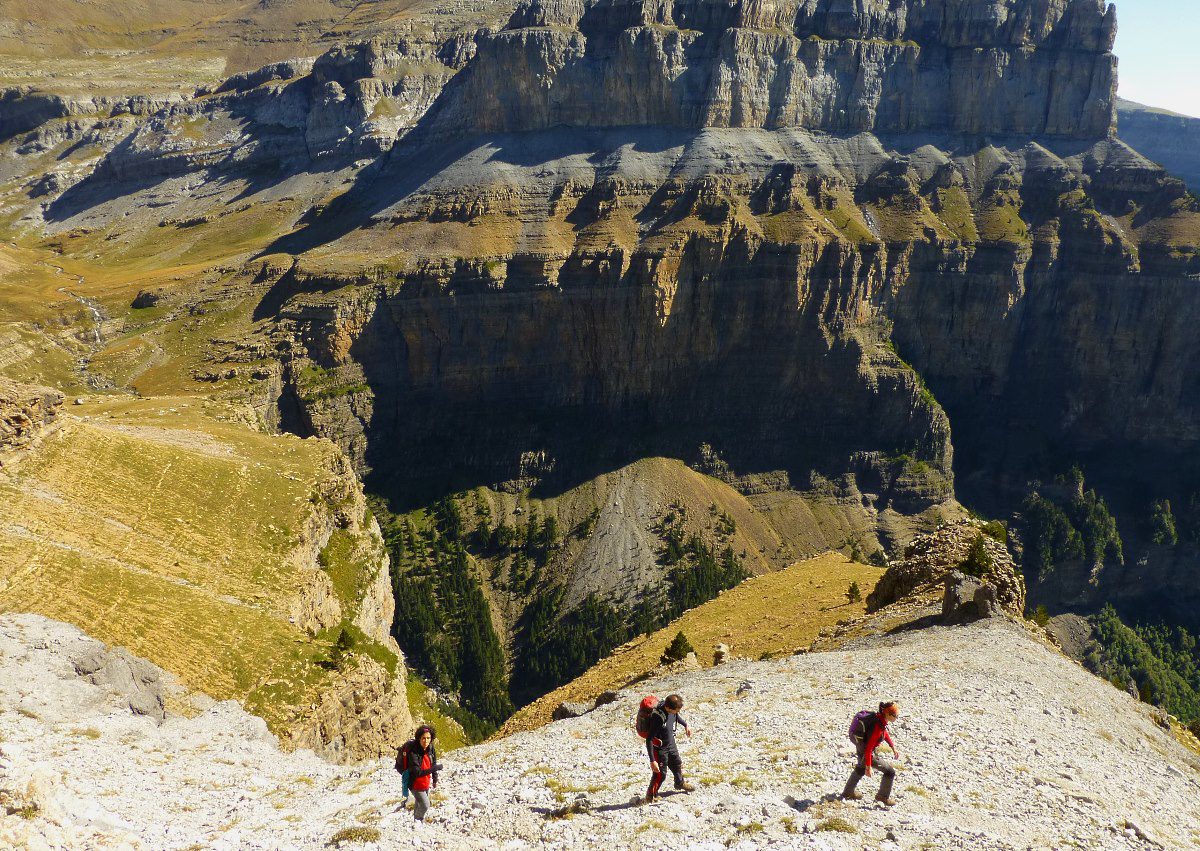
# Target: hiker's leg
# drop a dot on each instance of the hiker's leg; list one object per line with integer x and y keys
{"x": 860, "y": 769}
{"x": 656, "y": 777}
{"x": 676, "y": 766}
{"x": 420, "y": 804}
{"x": 884, "y": 765}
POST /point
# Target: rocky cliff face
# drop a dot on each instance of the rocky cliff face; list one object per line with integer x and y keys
{"x": 787, "y": 242}
{"x": 1165, "y": 137}
{"x": 960, "y": 66}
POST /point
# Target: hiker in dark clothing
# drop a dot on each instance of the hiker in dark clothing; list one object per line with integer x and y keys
{"x": 419, "y": 759}
{"x": 402, "y": 769}
{"x": 662, "y": 747}
{"x": 867, "y": 732}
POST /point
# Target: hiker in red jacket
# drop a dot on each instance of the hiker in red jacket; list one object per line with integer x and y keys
{"x": 662, "y": 748}
{"x": 867, "y": 731}
{"x": 420, "y": 759}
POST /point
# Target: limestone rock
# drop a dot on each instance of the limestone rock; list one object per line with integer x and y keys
{"x": 933, "y": 559}
{"x": 967, "y": 599}
{"x": 136, "y": 680}
{"x": 86, "y": 773}
{"x": 606, "y": 698}
{"x": 147, "y": 298}
{"x": 1165, "y": 137}
{"x": 361, "y": 714}
{"x": 25, "y": 411}
{"x": 871, "y": 66}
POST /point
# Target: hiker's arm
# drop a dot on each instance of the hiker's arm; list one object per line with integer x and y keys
{"x": 888, "y": 738}
{"x": 686, "y": 728}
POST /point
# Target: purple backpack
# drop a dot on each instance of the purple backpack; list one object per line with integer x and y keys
{"x": 861, "y": 726}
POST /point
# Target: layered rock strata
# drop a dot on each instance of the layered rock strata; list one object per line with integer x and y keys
{"x": 25, "y": 411}
{"x": 959, "y": 66}
{"x": 1167, "y": 138}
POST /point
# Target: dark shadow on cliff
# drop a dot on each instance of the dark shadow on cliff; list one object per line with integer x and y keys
{"x": 763, "y": 392}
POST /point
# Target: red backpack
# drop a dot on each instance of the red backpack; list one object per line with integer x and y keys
{"x": 645, "y": 709}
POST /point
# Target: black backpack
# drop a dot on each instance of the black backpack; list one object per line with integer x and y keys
{"x": 402, "y": 755}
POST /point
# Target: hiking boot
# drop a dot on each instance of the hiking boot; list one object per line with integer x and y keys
{"x": 887, "y": 802}
{"x": 686, "y": 787}
{"x": 649, "y": 799}
{"x": 852, "y": 796}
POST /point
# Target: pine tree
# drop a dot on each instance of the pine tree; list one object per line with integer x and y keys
{"x": 853, "y": 594}
{"x": 1162, "y": 524}
{"x": 678, "y": 649}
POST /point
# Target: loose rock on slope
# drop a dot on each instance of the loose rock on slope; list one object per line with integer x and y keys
{"x": 1064, "y": 760}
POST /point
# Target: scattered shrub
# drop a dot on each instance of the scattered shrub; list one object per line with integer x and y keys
{"x": 343, "y": 649}
{"x": 836, "y": 824}
{"x": 853, "y": 594}
{"x": 443, "y": 621}
{"x": 1040, "y": 616}
{"x": 996, "y": 530}
{"x": 1162, "y": 661}
{"x": 1080, "y": 527}
{"x": 978, "y": 561}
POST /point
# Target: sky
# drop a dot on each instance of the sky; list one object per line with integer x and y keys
{"x": 1158, "y": 45}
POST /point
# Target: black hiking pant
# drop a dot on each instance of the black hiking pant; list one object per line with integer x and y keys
{"x": 879, "y": 763}
{"x": 667, "y": 760}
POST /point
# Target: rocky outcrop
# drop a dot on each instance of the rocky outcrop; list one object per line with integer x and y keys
{"x": 945, "y": 66}
{"x": 967, "y": 599}
{"x": 561, "y": 306}
{"x": 139, "y": 683}
{"x": 362, "y": 713}
{"x": 363, "y": 710}
{"x": 23, "y": 109}
{"x": 1169, "y": 139}
{"x": 25, "y": 411}
{"x": 937, "y": 559}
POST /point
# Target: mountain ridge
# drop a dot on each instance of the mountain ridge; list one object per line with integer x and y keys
{"x": 1032, "y": 780}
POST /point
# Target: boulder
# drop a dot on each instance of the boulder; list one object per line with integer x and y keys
{"x": 721, "y": 654}
{"x": 570, "y": 709}
{"x": 146, "y": 298}
{"x": 967, "y": 599}
{"x": 137, "y": 682}
{"x": 25, "y": 411}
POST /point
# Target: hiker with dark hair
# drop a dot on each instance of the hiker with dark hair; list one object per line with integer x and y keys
{"x": 662, "y": 748}
{"x": 418, "y": 759}
{"x": 867, "y": 731}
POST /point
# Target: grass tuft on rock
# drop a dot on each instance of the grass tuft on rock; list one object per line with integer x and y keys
{"x": 836, "y": 824}
{"x": 353, "y": 835}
